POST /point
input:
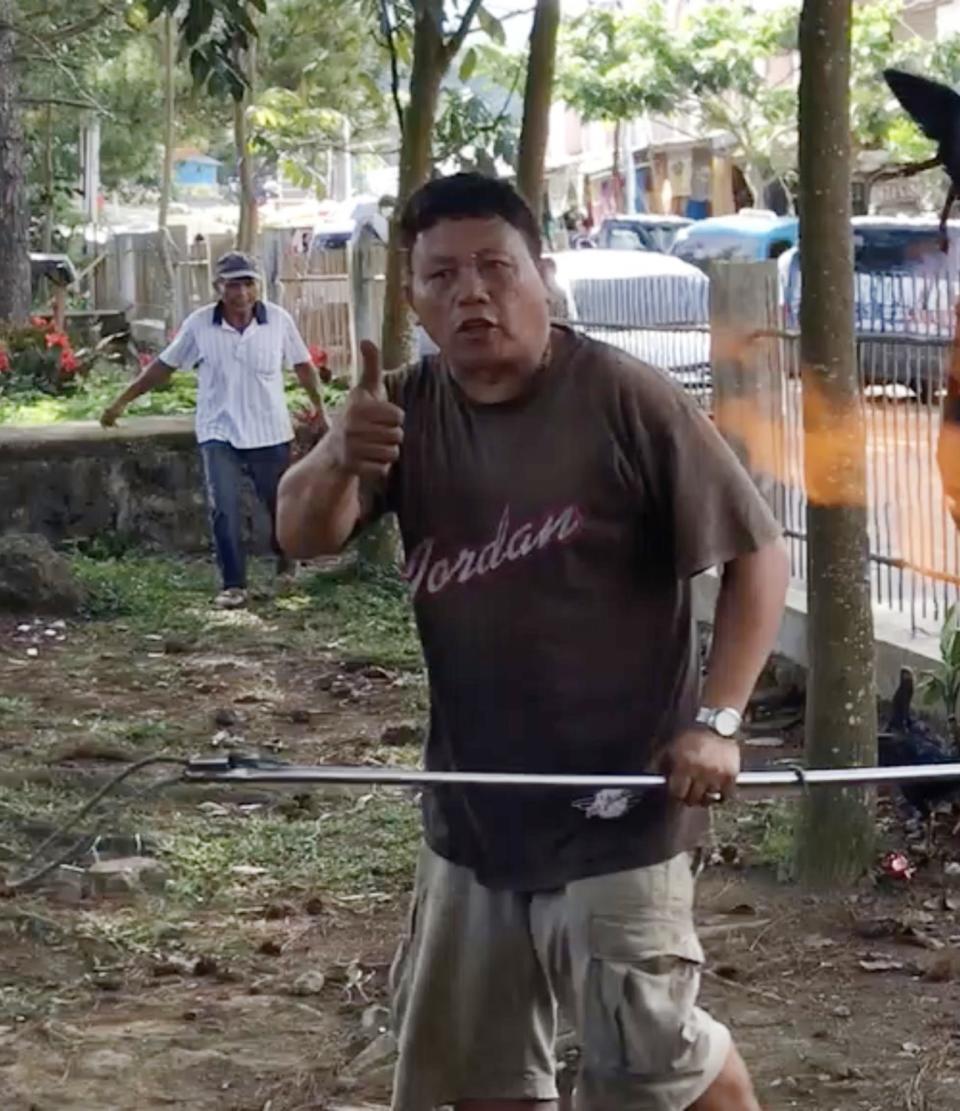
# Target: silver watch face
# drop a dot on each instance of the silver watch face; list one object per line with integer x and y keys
{"x": 726, "y": 722}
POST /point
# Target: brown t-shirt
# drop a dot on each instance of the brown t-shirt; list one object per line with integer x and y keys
{"x": 550, "y": 543}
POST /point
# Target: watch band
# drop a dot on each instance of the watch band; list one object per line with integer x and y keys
{"x": 725, "y": 721}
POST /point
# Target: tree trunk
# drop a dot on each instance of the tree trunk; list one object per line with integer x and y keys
{"x": 835, "y": 837}
{"x": 46, "y": 239}
{"x": 537, "y": 98}
{"x": 754, "y": 181}
{"x": 430, "y": 61}
{"x": 166, "y": 179}
{"x": 14, "y": 227}
{"x": 617, "y": 152}
{"x": 247, "y": 226}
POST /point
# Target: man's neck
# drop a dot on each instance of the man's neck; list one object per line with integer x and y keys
{"x": 236, "y": 320}
{"x": 495, "y": 385}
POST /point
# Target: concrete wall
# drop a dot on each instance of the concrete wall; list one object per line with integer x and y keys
{"x": 896, "y": 645}
{"x": 142, "y": 480}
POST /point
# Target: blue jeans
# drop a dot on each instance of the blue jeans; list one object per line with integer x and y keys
{"x": 223, "y": 469}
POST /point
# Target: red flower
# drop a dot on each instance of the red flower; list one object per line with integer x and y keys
{"x": 317, "y": 355}
{"x": 40, "y": 322}
{"x": 4, "y": 361}
{"x": 69, "y": 363}
{"x": 58, "y": 339}
{"x": 144, "y": 358}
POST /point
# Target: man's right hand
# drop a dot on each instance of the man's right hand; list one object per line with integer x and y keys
{"x": 110, "y": 415}
{"x": 368, "y": 431}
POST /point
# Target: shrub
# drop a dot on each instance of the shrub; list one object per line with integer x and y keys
{"x": 36, "y": 358}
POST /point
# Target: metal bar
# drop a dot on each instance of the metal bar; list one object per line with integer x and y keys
{"x": 221, "y": 771}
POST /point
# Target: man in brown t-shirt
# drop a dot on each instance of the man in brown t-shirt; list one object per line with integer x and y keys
{"x": 555, "y": 498}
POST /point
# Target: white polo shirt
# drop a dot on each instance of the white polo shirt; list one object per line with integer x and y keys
{"x": 239, "y": 374}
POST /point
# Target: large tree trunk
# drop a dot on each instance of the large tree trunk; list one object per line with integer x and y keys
{"x": 166, "y": 178}
{"x": 836, "y": 830}
{"x": 14, "y": 228}
{"x": 537, "y": 98}
{"x": 430, "y": 61}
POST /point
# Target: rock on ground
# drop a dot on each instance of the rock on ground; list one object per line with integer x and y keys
{"x": 34, "y": 578}
{"x": 126, "y": 875}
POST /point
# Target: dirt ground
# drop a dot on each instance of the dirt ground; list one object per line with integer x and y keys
{"x": 205, "y": 995}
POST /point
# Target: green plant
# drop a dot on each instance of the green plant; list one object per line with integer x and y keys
{"x": 942, "y": 684}
{"x": 37, "y": 358}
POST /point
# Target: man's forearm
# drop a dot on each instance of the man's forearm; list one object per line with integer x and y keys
{"x": 746, "y": 623}
{"x": 310, "y": 381}
{"x": 318, "y": 505}
{"x": 152, "y": 376}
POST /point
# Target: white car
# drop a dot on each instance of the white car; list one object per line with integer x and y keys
{"x": 650, "y": 305}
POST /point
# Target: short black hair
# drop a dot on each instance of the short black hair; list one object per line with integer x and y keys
{"x": 462, "y": 197}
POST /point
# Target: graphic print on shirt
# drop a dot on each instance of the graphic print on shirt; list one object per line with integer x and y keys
{"x": 433, "y": 573}
{"x": 609, "y": 802}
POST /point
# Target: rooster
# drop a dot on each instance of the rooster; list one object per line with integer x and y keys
{"x": 935, "y": 109}
{"x": 909, "y": 741}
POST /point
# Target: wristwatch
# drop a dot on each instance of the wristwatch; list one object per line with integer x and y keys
{"x": 725, "y": 722}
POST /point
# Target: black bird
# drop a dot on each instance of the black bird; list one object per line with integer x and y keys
{"x": 935, "y": 109}
{"x": 906, "y": 741}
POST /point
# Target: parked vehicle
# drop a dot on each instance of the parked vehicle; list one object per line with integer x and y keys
{"x": 641, "y": 301}
{"x": 646, "y": 231}
{"x": 750, "y": 236}
{"x": 905, "y": 290}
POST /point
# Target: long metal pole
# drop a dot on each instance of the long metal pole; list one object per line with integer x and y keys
{"x": 222, "y": 771}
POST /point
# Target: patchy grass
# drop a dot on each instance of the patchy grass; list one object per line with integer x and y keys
{"x": 764, "y": 832}
{"x": 95, "y": 392}
{"x": 147, "y": 591}
{"x": 14, "y": 709}
{"x": 353, "y": 848}
{"x": 358, "y": 613}
{"x": 366, "y": 613}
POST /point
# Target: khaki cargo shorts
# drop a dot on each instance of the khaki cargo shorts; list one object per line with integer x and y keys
{"x": 480, "y": 975}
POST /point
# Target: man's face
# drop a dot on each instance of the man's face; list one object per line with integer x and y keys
{"x": 239, "y": 295}
{"x": 479, "y": 294}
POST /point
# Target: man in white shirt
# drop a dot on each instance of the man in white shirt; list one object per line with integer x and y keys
{"x": 239, "y": 347}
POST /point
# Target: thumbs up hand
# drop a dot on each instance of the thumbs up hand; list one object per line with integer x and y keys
{"x": 368, "y": 431}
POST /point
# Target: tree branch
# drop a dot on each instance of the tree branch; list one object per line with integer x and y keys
{"x": 394, "y": 64}
{"x": 39, "y": 42}
{"x": 59, "y": 101}
{"x": 456, "y": 40}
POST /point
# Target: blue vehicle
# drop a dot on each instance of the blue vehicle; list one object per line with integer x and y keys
{"x": 905, "y": 289}
{"x": 752, "y": 235}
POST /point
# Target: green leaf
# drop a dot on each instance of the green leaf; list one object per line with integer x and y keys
{"x": 137, "y": 16}
{"x": 932, "y": 689}
{"x": 947, "y": 632}
{"x": 260, "y": 5}
{"x": 491, "y": 27}
{"x": 370, "y": 87}
{"x": 403, "y": 45}
{"x": 199, "y": 66}
{"x": 468, "y": 65}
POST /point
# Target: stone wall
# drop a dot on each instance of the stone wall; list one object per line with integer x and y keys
{"x": 142, "y": 480}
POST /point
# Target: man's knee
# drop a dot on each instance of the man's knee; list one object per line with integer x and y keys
{"x": 732, "y": 1090}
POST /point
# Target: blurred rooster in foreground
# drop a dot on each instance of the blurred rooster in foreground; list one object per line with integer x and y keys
{"x": 935, "y": 109}
{"x": 907, "y": 740}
